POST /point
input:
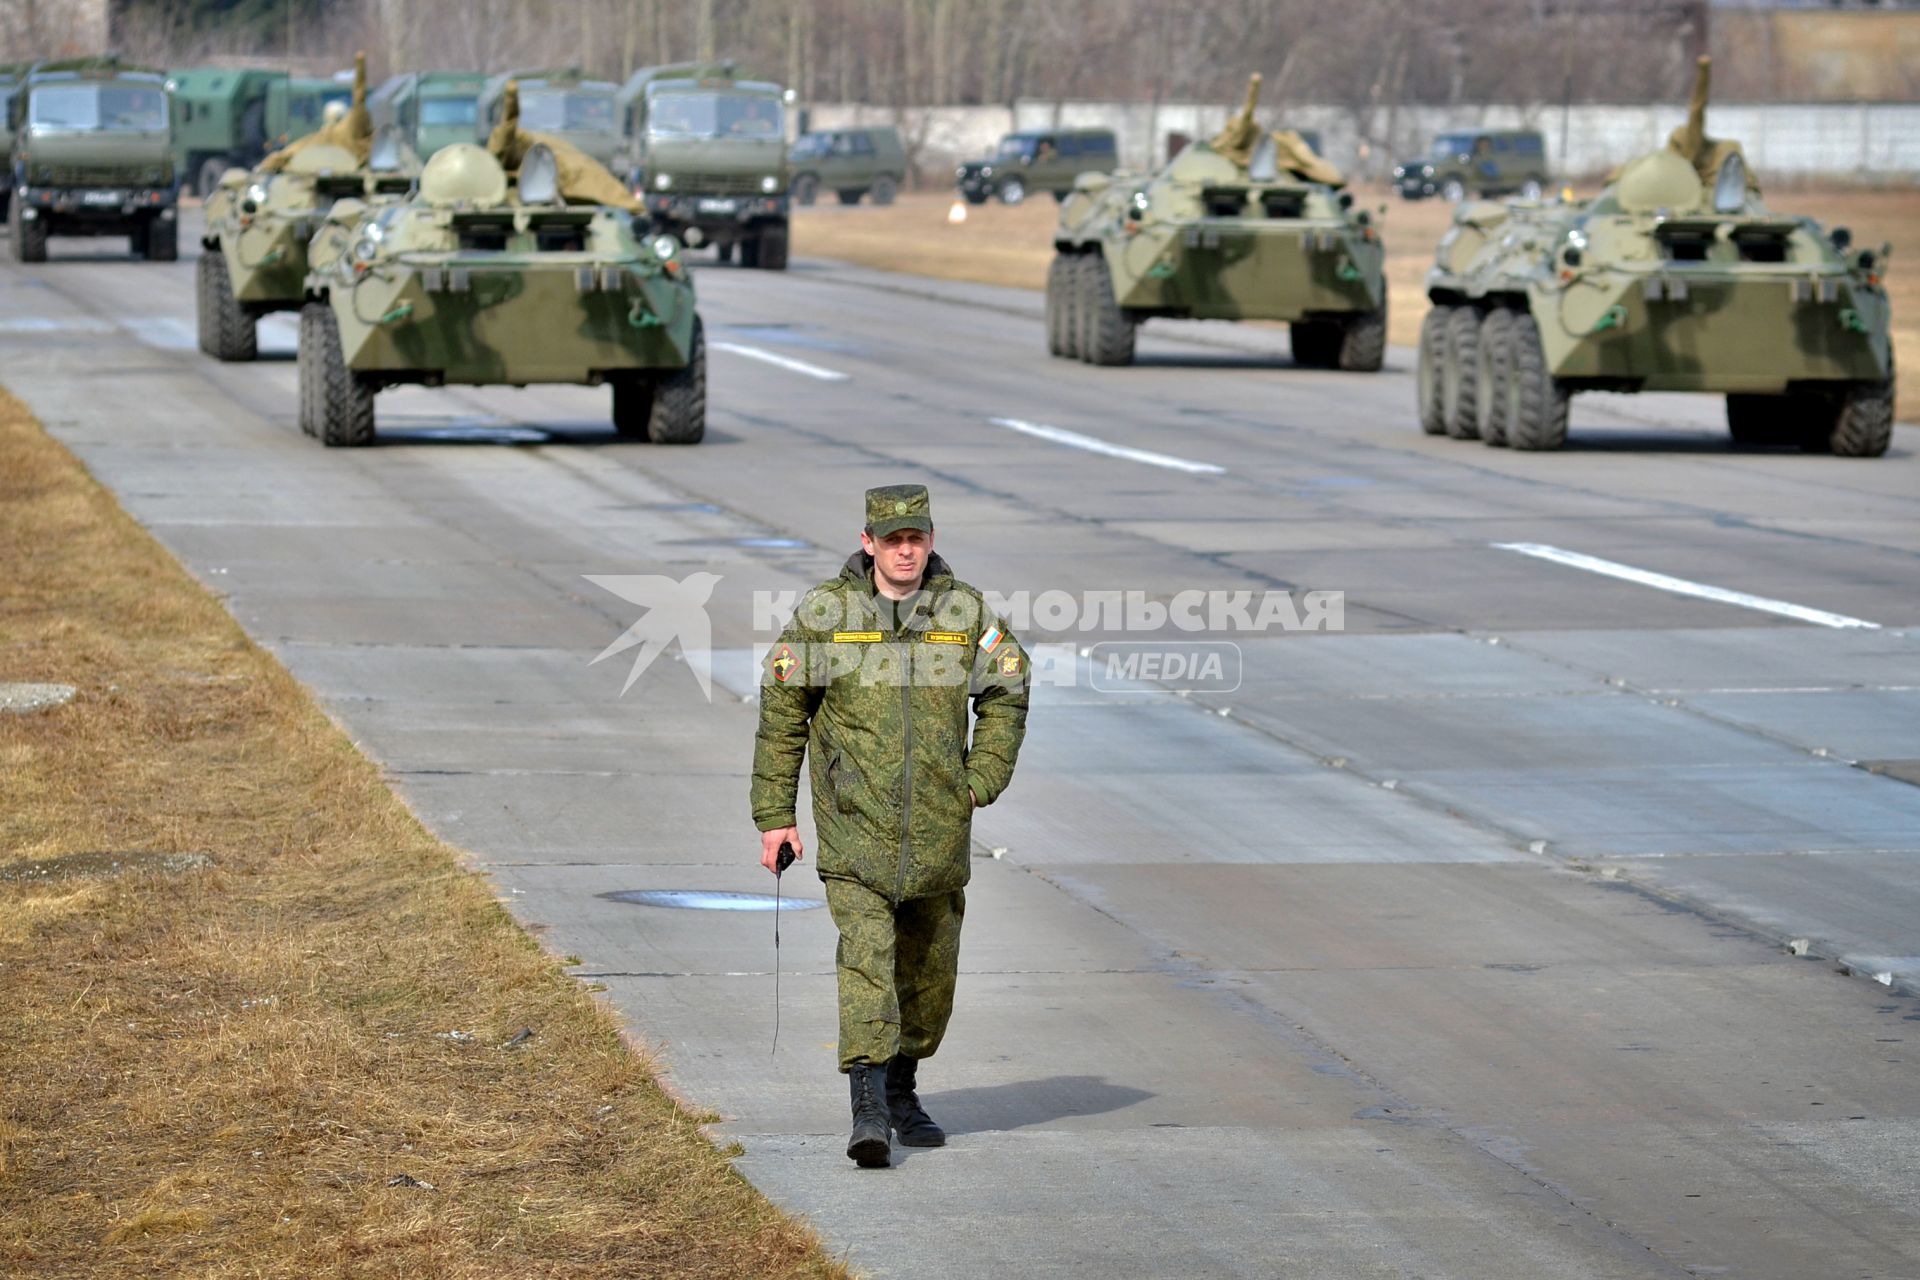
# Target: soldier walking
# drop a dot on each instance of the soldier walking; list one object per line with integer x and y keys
{"x": 870, "y": 683}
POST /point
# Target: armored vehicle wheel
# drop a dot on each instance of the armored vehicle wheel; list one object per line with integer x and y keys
{"x": 1861, "y": 420}
{"x": 884, "y": 190}
{"x": 806, "y": 189}
{"x": 772, "y": 245}
{"x": 226, "y": 331}
{"x": 1490, "y": 405}
{"x": 1462, "y": 369}
{"x": 1107, "y": 331}
{"x": 1073, "y": 266}
{"x": 849, "y": 195}
{"x": 632, "y": 408}
{"x": 1433, "y": 353}
{"x": 1768, "y": 420}
{"x": 308, "y": 365}
{"x": 1363, "y": 342}
{"x": 29, "y": 236}
{"x": 1013, "y": 191}
{"x": 1453, "y": 191}
{"x": 724, "y": 251}
{"x": 1536, "y": 410}
{"x": 680, "y": 399}
{"x": 343, "y": 404}
{"x": 1057, "y": 272}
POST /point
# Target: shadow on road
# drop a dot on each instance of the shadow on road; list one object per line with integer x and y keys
{"x": 1028, "y": 1102}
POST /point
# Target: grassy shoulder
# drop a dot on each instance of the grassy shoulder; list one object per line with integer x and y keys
{"x": 244, "y": 1064}
{"x": 1011, "y": 246}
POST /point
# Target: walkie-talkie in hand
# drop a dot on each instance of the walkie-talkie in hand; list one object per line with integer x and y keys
{"x": 784, "y": 858}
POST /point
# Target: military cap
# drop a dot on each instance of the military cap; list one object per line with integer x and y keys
{"x": 894, "y": 507}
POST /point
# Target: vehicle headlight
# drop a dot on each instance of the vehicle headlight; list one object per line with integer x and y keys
{"x": 769, "y": 184}
{"x": 364, "y": 248}
{"x": 662, "y": 181}
{"x": 665, "y": 247}
{"x": 254, "y": 196}
{"x": 1426, "y": 171}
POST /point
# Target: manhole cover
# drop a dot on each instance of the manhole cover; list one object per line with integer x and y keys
{"x": 709, "y": 900}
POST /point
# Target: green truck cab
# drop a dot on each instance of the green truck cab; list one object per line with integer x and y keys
{"x": 430, "y": 109}
{"x": 92, "y": 156}
{"x": 10, "y": 75}
{"x": 219, "y": 121}
{"x": 848, "y": 162}
{"x": 707, "y": 152}
{"x": 297, "y": 105}
{"x": 563, "y": 104}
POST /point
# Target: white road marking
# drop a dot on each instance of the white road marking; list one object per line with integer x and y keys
{"x": 785, "y": 362}
{"x": 1681, "y": 586}
{"x": 1092, "y": 445}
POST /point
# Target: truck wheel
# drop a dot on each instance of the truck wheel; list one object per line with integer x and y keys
{"x": 1107, "y": 330}
{"x": 680, "y": 399}
{"x": 211, "y": 171}
{"x": 632, "y": 408}
{"x": 1363, "y": 342}
{"x": 1536, "y": 411}
{"x": 162, "y": 240}
{"x": 724, "y": 251}
{"x": 1462, "y": 368}
{"x": 137, "y": 238}
{"x": 750, "y": 251}
{"x": 884, "y": 189}
{"x": 1862, "y": 418}
{"x": 848, "y": 195}
{"x": 1013, "y": 191}
{"x": 1767, "y": 420}
{"x": 806, "y": 189}
{"x": 29, "y": 236}
{"x": 344, "y": 403}
{"x": 773, "y": 247}
{"x": 1433, "y": 355}
{"x": 226, "y": 331}
{"x": 308, "y": 365}
{"x": 1490, "y": 402}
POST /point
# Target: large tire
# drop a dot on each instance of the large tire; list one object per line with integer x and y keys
{"x": 1764, "y": 420}
{"x": 885, "y": 189}
{"x": 1459, "y": 388}
{"x": 633, "y": 408}
{"x": 1072, "y": 303}
{"x": 773, "y": 247}
{"x": 1363, "y": 342}
{"x": 207, "y": 181}
{"x": 724, "y": 251}
{"x": 806, "y": 189}
{"x": 163, "y": 240}
{"x": 1107, "y": 331}
{"x": 29, "y": 235}
{"x": 849, "y": 195}
{"x": 137, "y": 238}
{"x": 1536, "y": 412}
{"x": 1057, "y": 273}
{"x": 750, "y": 252}
{"x": 308, "y": 363}
{"x": 1433, "y": 355}
{"x": 226, "y": 331}
{"x": 1490, "y": 403}
{"x": 680, "y": 399}
{"x": 1013, "y": 191}
{"x": 344, "y": 403}
{"x": 1862, "y": 421}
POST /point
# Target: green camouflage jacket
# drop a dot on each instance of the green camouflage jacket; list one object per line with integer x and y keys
{"x": 877, "y": 693}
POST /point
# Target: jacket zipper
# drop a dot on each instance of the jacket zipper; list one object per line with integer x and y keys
{"x": 906, "y": 770}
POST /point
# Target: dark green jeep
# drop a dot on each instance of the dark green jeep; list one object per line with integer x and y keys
{"x": 1037, "y": 160}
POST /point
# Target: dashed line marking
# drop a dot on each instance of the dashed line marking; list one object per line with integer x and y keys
{"x": 784, "y": 362}
{"x": 1073, "y": 439}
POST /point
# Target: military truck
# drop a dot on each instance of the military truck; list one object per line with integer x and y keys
{"x": 517, "y": 263}
{"x": 297, "y": 106}
{"x": 560, "y": 103}
{"x": 430, "y": 109}
{"x": 257, "y": 226}
{"x": 10, "y": 75}
{"x": 1676, "y": 277}
{"x": 219, "y": 121}
{"x": 1037, "y": 160}
{"x": 1484, "y": 162}
{"x": 1249, "y": 225}
{"x": 848, "y": 162}
{"x": 92, "y": 156}
{"x": 707, "y": 151}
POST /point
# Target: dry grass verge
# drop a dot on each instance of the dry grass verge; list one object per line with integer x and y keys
{"x": 240, "y": 1064}
{"x": 1011, "y": 246}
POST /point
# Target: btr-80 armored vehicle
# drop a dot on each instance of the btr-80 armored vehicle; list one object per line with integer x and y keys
{"x": 499, "y": 275}
{"x": 1247, "y": 226}
{"x": 253, "y": 257}
{"x": 1674, "y": 278}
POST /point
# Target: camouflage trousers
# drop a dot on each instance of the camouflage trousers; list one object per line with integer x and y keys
{"x": 897, "y": 968}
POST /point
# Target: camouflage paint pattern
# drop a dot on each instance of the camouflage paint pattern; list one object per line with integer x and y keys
{"x": 897, "y": 968}
{"x": 265, "y": 241}
{"x": 875, "y": 698}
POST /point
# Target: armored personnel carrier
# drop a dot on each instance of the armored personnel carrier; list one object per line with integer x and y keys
{"x": 1676, "y": 277}
{"x": 1247, "y": 226}
{"x": 500, "y": 276}
{"x": 253, "y": 254}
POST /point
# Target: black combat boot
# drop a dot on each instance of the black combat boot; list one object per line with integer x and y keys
{"x": 915, "y": 1127}
{"x": 869, "y": 1147}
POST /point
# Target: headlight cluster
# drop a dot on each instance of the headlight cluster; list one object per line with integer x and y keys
{"x": 367, "y": 246}
{"x": 254, "y": 196}
{"x": 662, "y": 182}
{"x": 664, "y": 247}
{"x": 769, "y": 184}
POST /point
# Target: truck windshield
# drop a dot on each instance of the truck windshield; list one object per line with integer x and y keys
{"x": 565, "y": 112}
{"x": 713, "y": 115}
{"x": 455, "y": 112}
{"x": 1449, "y": 145}
{"x": 1015, "y": 147}
{"x": 118, "y": 107}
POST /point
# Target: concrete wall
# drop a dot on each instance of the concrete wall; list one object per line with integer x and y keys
{"x": 1870, "y": 143}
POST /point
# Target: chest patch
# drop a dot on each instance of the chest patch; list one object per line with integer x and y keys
{"x": 946, "y": 637}
{"x": 857, "y": 637}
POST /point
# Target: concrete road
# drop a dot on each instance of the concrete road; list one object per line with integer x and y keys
{"x": 1459, "y": 942}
